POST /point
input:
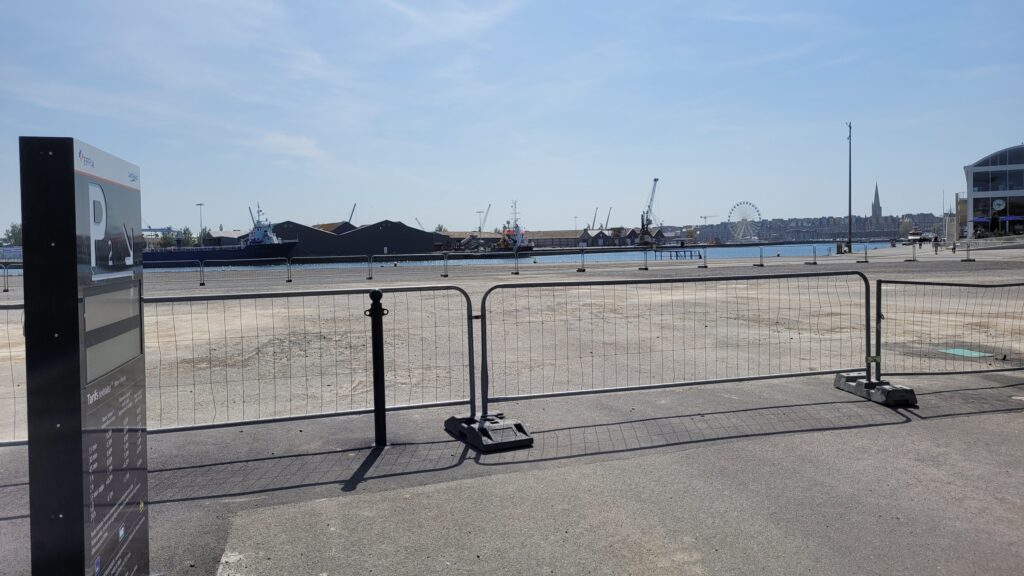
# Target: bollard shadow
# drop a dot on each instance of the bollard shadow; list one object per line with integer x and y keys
{"x": 969, "y": 401}
{"x": 345, "y": 468}
{"x": 693, "y": 429}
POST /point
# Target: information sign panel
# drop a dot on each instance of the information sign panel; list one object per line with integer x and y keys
{"x": 86, "y": 385}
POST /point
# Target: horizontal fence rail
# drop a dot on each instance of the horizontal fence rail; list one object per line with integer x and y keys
{"x": 936, "y": 327}
{"x": 231, "y": 358}
{"x": 562, "y": 338}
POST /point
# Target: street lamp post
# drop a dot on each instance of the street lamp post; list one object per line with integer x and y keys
{"x": 849, "y": 206}
{"x": 200, "y": 204}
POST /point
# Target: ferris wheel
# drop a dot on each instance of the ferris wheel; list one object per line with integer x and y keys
{"x": 744, "y": 221}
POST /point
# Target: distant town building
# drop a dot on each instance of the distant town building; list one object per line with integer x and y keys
{"x": 995, "y": 193}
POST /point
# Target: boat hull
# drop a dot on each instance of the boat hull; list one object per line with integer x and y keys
{"x": 252, "y": 253}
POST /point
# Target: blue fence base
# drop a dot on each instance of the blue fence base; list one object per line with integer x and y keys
{"x": 878, "y": 391}
{"x": 491, "y": 434}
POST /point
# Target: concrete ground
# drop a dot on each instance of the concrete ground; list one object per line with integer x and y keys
{"x": 775, "y": 477}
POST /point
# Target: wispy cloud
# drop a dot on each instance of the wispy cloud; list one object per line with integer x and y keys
{"x": 290, "y": 145}
{"x": 743, "y": 15}
{"x": 454, "y": 22}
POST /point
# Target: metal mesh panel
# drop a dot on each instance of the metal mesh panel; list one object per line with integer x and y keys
{"x": 244, "y": 359}
{"x": 243, "y": 271}
{"x": 13, "y": 423}
{"x": 576, "y": 337}
{"x": 927, "y": 327}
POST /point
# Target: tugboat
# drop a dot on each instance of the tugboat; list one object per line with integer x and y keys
{"x": 261, "y": 243}
{"x": 513, "y": 237}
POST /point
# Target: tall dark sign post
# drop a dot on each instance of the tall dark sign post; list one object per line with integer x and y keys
{"x": 86, "y": 387}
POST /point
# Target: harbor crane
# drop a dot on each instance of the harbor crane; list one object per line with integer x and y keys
{"x": 607, "y": 218}
{"x": 420, "y": 224}
{"x": 648, "y": 214}
{"x": 705, "y": 218}
{"x": 352, "y": 213}
{"x": 593, "y": 221}
{"x": 483, "y": 218}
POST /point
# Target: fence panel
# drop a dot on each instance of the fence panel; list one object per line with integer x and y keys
{"x": 172, "y": 273}
{"x": 229, "y": 359}
{"x": 12, "y": 279}
{"x": 935, "y": 327}
{"x": 559, "y": 338}
{"x": 308, "y": 270}
{"x": 13, "y": 422}
{"x": 408, "y": 267}
{"x": 254, "y": 272}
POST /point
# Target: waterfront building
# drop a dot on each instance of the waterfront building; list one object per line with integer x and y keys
{"x": 995, "y": 193}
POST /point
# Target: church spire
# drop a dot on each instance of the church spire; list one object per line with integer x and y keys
{"x": 876, "y": 206}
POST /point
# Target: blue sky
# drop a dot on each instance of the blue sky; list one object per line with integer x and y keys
{"x": 436, "y": 109}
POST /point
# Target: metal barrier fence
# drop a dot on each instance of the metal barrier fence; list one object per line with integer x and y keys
{"x": 176, "y": 272}
{"x": 254, "y": 357}
{"x": 331, "y": 268}
{"x": 252, "y": 270}
{"x": 13, "y": 420}
{"x": 565, "y": 338}
{"x": 939, "y": 327}
{"x": 215, "y": 360}
{"x": 11, "y": 279}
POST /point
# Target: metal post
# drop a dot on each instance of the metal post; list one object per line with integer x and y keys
{"x": 644, "y": 267}
{"x": 968, "y": 258}
{"x": 369, "y": 267}
{"x": 444, "y": 271}
{"x": 704, "y": 262}
{"x": 377, "y": 312}
{"x": 288, "y": 266}
{"x": 515, "y": 263}
{"x": 878, "y": 332}
{"x": 583, "y": 260}
{"x": 865, "y": 260}
{"x": 849, "y": 218}
{"x": 913, "y": 252}
{"x": 202, "y": 273}
{"x": 760, "y": 258}
{"x": 5, "y": 277}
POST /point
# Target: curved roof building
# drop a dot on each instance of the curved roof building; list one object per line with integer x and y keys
{"x": 995, "y": 193}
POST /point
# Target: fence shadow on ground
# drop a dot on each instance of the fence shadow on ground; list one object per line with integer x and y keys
{"x": 969, "y": 401}
{"x": 346, "y": 468}
{"x": 692, "y": 429}
{"x": 349, "y": 468}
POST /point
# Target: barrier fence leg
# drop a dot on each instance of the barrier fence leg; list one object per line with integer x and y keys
{"x": 968, "y": 258}
{"x": 492, "y": 432}
{"x": 704, "y": 261}
{"x": 202, "y": 273}
{"x": 814, "y": 256}
{"x": 288, "y": 265}
{"x": 865, "y": 260}
{"x": 644, "y": 267}
{"x": 583, "y": 260}
{"x": 6, "y": 289}
{"x": 861, "y": 383}
{"x": 760, "y": 258}
{"x": 369, "y": 267}
{"x": 515, "y": 263}
{"x": 913, "y": 252}
{"x": 444, "y": 270}
{"x": 377, "y": 312}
